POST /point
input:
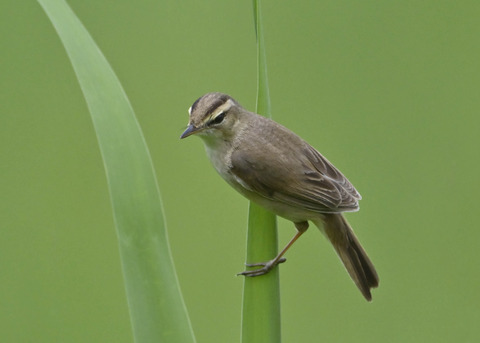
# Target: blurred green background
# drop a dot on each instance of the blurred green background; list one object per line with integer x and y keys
{"x": 388, "y": 91}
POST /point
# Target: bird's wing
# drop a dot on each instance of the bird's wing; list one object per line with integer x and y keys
{"x": 294, "y": 174}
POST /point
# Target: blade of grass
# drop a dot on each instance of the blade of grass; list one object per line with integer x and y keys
{"x": 261, "y": 295}
{"x": 157, "y": 310}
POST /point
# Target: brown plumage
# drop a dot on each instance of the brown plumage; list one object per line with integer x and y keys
{"x": 277, "y": 169}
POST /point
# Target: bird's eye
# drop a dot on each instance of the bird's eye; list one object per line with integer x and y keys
{"x": 218, "y": 119}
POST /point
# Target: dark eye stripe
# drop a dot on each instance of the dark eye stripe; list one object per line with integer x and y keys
{"x": 218, "y": 119}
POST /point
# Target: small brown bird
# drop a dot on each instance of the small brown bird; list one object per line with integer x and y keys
{"x": 275, "y": 168}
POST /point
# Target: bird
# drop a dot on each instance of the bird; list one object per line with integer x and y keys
{"x": 275, "y": 168}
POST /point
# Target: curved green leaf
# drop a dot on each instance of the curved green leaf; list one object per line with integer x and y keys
{"x": 157, "y": 310}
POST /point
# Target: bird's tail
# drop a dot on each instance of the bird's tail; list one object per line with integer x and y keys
{"x": 352, "y": 254}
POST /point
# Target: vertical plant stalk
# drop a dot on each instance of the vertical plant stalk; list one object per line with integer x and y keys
{"x": 261, "y": 295}
{"x": 157, "y": 310}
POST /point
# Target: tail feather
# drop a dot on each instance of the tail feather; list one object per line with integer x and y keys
{"x": 351, "y": 253}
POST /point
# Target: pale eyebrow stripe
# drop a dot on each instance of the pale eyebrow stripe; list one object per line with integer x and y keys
{"x": 222, "y": 100}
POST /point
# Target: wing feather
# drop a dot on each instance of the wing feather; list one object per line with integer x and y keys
{"x": 295, "y": 174}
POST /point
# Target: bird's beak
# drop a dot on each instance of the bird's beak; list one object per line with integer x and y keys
{"x": 191, "y": 129}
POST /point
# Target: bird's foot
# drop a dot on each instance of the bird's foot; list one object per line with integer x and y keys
{"x": 266, "y": 267}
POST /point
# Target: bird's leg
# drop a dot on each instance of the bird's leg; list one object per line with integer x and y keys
{"x": 269, "y": 265}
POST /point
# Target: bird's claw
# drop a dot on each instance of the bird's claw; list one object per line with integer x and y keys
{"x": 266, "y": 267}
